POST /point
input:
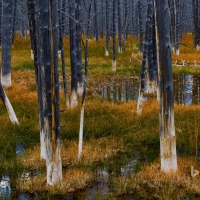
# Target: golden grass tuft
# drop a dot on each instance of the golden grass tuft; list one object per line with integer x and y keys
{"x": 151, "y": 183}
{"x": 72, "y": 179}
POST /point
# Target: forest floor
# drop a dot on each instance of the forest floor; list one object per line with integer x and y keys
{"x": 118, "y": 144}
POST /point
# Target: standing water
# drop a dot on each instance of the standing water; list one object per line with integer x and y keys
{"x": 186, "y": 89}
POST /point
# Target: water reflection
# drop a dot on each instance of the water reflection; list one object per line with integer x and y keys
{"x": 102, "y": 187}
{"x": 5, "y": 188}
{"x": 27, "y": 196}
{"x": 20, "y": 147}
{"x": 186, "y": 89}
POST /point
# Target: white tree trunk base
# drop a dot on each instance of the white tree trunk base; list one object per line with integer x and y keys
{"x": 114, "y": 64}
{"x": 32, "y": 55}
{"x": 107, "y": 53}
{"x": 119, "y": 50}
{"x": 10, "y": 110}
{"x": 80, "y": 89}
{"x": 73, "y": 99}
{"x": 42, "y": 146}
{"x": 59, "y": 53}
{"x": 151, "y": 87}
{"x": 80, "y": 144}
{"x": 54, "y": 171}
{"x": 6, "y": 80}
{"x": 139, "y": 104}
{"x": 177, "y": 51}
{"x": 67, "y": 101}
{"x": 168, "y": 154}
{"x": 197, "y": 47}
{"x": 158, "y": 94}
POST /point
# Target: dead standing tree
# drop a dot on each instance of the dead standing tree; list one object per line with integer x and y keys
{"x": 75, "y": 52}
{"x": 35, "y": 41}
{"x": 165, "y": 83}
{"x": 6, "y": 42}
{"x": 48, "y": 56}
{"x": 114, "y": 62}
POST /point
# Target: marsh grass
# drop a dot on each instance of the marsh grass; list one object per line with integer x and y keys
{"x": 151, "y": 183}
{"x": 112, "y": 132}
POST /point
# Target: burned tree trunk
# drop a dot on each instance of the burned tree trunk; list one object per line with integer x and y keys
{"x": 114, "y": 62}
{"x": 1, "y": 22}
{"x": 49, "y": 37}
{"x": 14, "y": 20}
{"x": 73, "y": 56}
{"x": 53, "y": 160}
{"x": 119, "y": 27}
{"x": 80, "y": 144}
{"x": 107, "y": 26}
{"x": 33, "y": 15}
{"x": 140, "y": 25}
{"x": 6, "y": 42}
{"x": 61, "y": 43}
{"x": 78, "y": 48}
{"x": 96, "y": 33}
{"x": 196, "y": 26}
{"x": 165, "y": 82}
{"x": 144, "y": 62}
{"x": 126, "y": 4}
{"x": 152, "y": 67}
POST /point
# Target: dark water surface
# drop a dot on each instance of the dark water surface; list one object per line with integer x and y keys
{"x": 186, "y": 89}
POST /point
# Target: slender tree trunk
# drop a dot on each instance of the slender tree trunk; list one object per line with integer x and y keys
{"x": 34, "y": 20}
{"x": 53, "y": 160}
{"x": 73, "y": 56}
{"x": 119, "y": 28}
{"x": 151, "y": 73}
{"x": 61, "y": 32}
{"x": 107, "y": 26}
{"x": 8, "y": 105}
{"x": 144, "y": 61}
{"x": 167, "y": 129}
{"x": 126, "y": 4}
{"x": 140, "y": 26}
{"x": 196, "y": 26}
{"x": 96, "y": 33}
{"x": 80, "y": 145}
{"x": 46, "y": 83}
{"x": 114, "y": 62}
{"x": 78, "y": 49}
{"x": 14, "y": 20}
{"x": 6, "y": 43}
{"x": 101, "y": 23}
{"x": 1, "y": 12}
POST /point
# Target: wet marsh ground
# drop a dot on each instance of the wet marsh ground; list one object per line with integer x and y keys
{"x": 120, "y": 150}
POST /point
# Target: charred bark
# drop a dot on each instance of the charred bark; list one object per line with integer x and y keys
{"x": 152, "y": 67}
{"x": 80, "y": 145}
{"x": 140, "y": 25}
{"x": 107, "y": 26}
{"x": 96, "y": 33}
{"x": 142, "y": 87}
{"x": 61, "y": 43}
{"x": 78, "y": 48}
{"x": 114, "y": 37}
{"x": 165, "y": 82}
{"x": 6, "y": 42}
{"x": 119, "y": 27}
{"x": 53, "y": 160}
{"x": 73, "y": 56}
